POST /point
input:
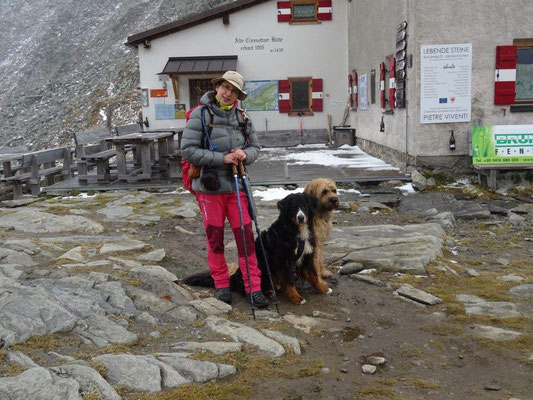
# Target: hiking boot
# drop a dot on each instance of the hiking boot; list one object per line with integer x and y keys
{"x": 260, "y": 301}
{"x": 223, "y": 294}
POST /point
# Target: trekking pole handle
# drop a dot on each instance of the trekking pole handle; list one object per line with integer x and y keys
{"x": 242, "y": 171}
{"x": 233, "y": 169}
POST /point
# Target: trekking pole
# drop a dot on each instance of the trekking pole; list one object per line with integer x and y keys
{"x": 253, "y": 214}
{"x": 241, "y": 218}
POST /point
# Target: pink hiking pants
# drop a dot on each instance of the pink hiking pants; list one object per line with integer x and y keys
{"x": 215, "y": 209}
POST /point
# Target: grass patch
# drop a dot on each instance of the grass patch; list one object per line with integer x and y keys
{"x": 425, "y": 385}
{"x": 443, "y": 329}
{"x": 441, "y": 178}
{"x": 13, "y": 369}
{"x": 45, "y": 343}
{"x": 130, "y": 280}
{"x": 375, "y": 392}
{"x": 412, "y": 352}
{"x": 387, "y": 381}
{"x": 240, "y": 389}
{"x": 410, "y": 280}
{"x": 99, "y": 367}
{"x": 522, "y": 345}
{"x": 117, "y": 349}
{"x": 91, "y": 395}
{"x": 253, "y": 369}
{"x": 509, "y": 323}
{"x": 311, "y": 369}
{"x": 58, "y": 210}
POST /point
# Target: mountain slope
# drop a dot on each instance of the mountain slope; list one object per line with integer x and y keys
{"x": 63, "y": 61}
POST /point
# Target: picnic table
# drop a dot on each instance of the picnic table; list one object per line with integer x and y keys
{"x": 155, "y": 155}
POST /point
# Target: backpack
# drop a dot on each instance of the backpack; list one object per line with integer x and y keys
{"x": 189, "y": 171}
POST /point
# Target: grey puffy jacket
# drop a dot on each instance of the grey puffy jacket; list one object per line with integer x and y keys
{"x": 226, "y": 134}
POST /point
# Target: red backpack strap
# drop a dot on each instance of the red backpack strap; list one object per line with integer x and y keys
{"x": 185, "y": 166}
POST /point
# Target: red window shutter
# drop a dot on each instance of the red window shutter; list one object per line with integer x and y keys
{"x": 284, "y": 11}
{"x": 382, "y": 84}
{"x": 350, "y": 97}
{"x": 324, "y": 10}
{"x": 505, "y": 75}
{"x": 318, "y": 95}
{"x": 355, "y": 90}
{"x": 392, "y": 83}
{"x": 284, "y": 103}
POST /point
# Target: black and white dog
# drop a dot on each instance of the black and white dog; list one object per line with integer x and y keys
{"x": 288, "y": 248}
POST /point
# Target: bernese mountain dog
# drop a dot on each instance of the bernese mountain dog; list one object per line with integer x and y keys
{"x": 288, "y": 246}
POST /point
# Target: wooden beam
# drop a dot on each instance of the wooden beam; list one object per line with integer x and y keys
{"x": 175, "y": 86}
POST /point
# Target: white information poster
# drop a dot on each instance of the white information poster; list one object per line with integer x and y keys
{"x": 446, "y": 83}
{"x": 362, "y": 91}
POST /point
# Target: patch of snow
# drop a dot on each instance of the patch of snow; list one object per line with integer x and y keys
{"x": 407, "y": 188}
{"x": 367, "y": 271}
{"x": 344, "y": 156}
{"x": 348, "y": 191}
{"x": 79, "y": 196}
{"x": 275, "y": 193}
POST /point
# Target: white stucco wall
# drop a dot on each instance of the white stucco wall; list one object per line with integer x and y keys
{"x": 372, "y": 26}
{"x": 484, "y": 23}
{"x": 317, "y": 50}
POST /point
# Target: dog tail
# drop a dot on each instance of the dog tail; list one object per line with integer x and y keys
{"x": 203, "y": 279}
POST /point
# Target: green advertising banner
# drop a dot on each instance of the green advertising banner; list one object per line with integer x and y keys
{"x": 502, "y": 144}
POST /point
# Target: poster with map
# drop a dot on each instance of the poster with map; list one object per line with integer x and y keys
{"x": 262, "y": 95}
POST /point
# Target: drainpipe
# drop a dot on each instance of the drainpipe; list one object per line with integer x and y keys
{"x": 406, "y": 100}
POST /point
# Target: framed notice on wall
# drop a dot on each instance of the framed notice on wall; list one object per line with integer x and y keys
{"x": 446, "y": 83}
{"x": 362, "y": 90}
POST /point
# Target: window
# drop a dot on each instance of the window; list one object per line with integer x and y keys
{"x": 300, "y": 96}
{"x": 304, "y": 11}
{"x": 524, "y": 71}
{"x": 513, "y": 82}
{"x": 300, "y": 90}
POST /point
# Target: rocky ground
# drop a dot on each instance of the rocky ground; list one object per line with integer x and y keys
{"x": 431, "y": 300}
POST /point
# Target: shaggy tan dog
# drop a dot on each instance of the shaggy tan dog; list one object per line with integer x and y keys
{"x": 325, "y": 191}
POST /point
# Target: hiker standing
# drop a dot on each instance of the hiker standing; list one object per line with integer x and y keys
{"x": 230, "y": 139}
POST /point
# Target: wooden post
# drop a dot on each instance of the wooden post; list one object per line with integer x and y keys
{"x": 176, "y": 86}
{"x": 493, "y": 179}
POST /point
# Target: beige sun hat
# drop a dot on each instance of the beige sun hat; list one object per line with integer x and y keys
{"x": 235, "y": 79}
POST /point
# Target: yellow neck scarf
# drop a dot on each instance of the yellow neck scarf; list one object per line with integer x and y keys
{"x": 223, "y": 107}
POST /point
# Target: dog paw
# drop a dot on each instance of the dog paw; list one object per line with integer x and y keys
{"x": 303, "y": 301}
{"x": 329, "y": 291}
{"x": 326, "y": 274}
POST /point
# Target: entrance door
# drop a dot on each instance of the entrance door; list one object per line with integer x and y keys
{"x": 197, "y": 88}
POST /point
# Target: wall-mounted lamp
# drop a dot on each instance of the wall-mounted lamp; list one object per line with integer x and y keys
{"x": 163, "y": 79}
{"x": 147, "y": 44}
{"x": 382, "y": 125}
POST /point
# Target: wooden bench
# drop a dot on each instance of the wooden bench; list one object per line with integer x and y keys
{"x": 41, "y": 164}
{"x": 92, "y": 150}
{"x": 7, "y": 169}
{"x": 489, "y": 173}
{"x": 126, "y": 129}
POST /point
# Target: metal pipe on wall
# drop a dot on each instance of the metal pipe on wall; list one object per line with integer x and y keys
{"x": 406, "y": 100}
